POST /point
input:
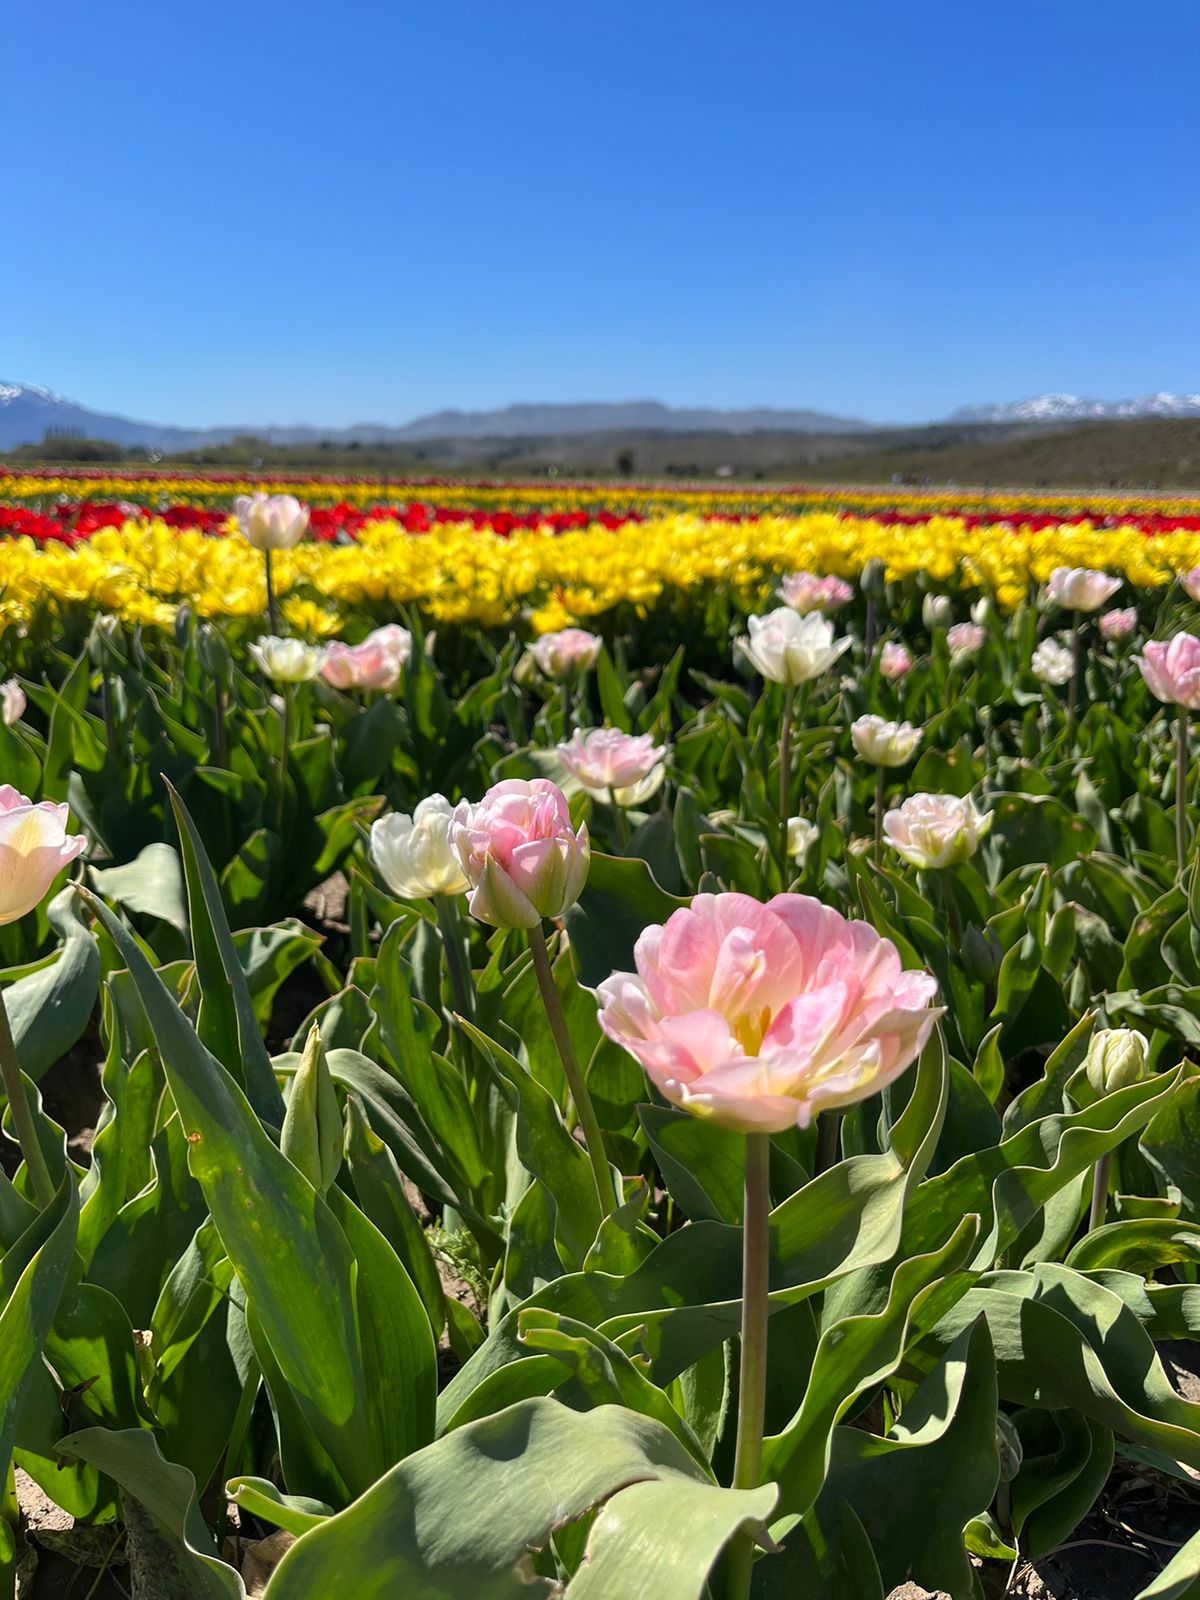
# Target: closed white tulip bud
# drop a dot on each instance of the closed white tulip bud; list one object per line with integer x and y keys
{"x": 801, "y": 836}
{"x": 12, "y": 702}
{"x": 414, "y": 855}
{"x": 271, "y": 521}
{"x": 1116, "y": 1058}
{"x": 883, "y": 743}
{"x": 936, "y": 611}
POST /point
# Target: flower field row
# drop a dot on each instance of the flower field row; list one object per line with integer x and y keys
{"x": 455, "y": 572}
{"x": 156, "y": 488}
{"x": 654, "y": 1059}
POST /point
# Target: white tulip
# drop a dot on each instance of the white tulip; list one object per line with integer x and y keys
{"x": 788, "y": 648}
{"x": 801, "y": 836}
{"x": 1080, "y": 588}
{"x": 936, "y": 830}
{"x": 286, "y": 660}
{"x": 12, "y": 702}
{"x": 1052, "y": 662}
{"x": 271, "y": 521}
{"x": 885, "y": 744}
{"x": 936, "y": 611}
{"x": 414, "y": 855}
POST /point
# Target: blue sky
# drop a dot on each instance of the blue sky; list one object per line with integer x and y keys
{"x": 260, "y": 212}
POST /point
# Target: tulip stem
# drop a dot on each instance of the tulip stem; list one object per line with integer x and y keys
{"x": 1099, "y": 1193}
{"x": 1182, "y": 758}
{"x": 878, "y": 815}
{"x": 619, "y": 818}
{"x": 1076, "y": 667}
{"x": 576, "y": 1083}
{"x": 448, "y": 928}
{"x": 752, "y": 1376}
{"x": 272, "y": 615}
{"x": 285, "y": 734}
{"x": 785, "y": 777}
{"x": 22, "y": 1117}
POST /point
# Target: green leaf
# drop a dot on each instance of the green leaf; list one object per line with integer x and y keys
{"x": 262, "y": 1499}
{"x": 151, "y": 885}
{"x": 227, "y": 1025}
{"x": 619, "y": 899}
{"x": 45, "y": 1256}
{"x": 167, "y": 1492}
{"x": 459, "y": 1519}
{"x": 659, "y": 1541}
{"x": 288, "y": 1249}
{"x": 50, "y": 1009}
{"x": 1180, "y": 1578}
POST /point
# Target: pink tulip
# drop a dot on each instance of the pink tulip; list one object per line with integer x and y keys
{"x": 1191, "y": 582}
{"x": 34, "y": 848}
{"x": 360, "y": 666}
{"x": 521, "y": 856}
{"x": 1172, "y": 670}
{"x": 608, "y": 762}
{"x": 894, "y": 660}
{"x": 565, "y": 654}
{"x": 1118, "y": 624}
{"x": 805, "y": 592}
{"x": 760, "y": 1016}
{"x": 965, "y": 639}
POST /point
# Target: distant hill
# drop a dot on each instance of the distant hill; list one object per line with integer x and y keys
{"x": 29, "y": 413}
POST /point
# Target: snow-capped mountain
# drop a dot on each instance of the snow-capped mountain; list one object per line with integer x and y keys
{"x": 1078, "y": 408}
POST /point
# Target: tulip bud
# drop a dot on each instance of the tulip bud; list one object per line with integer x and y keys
{"x": 1116, "y": 1058}
{"x": 523, "y": 859}
{"x": 106, "y": 643}
{"x": 981, "y": 954}
{"x": 212, "y": 652}
{"x": 34, "y": 848}
{"x": 566, "y": 654}
{"x": 872, "y": 580}
{"x": 312, "y": 1136}
{"x": 182, "y": 626}
{"x": 271, "y": 521}
{"x": 936, "y": 611}
{"x": 801, "y": 836}
{"x": 12, "y": 702}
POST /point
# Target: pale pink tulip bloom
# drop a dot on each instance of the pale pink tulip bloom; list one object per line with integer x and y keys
{"x": 1191, "y": 582}
{"x": 894, "y": 660}
{"x": 760, "y": 1016}
{"x": 521, "y": 856}
{"x": 608, "y": 762}
{"x": 1172, "y": 670}
{"x": 34, "y": 848}
{"x": 965, "y": 639}
{"x": 805, "y": 592}
{"x": 12, "y": 702}
{"x": 1116, "y": 625}
{"x": 271, "y": 521}
{"x": 567, "y": 653}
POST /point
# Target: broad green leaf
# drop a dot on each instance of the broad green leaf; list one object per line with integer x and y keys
{"x": 262, "y": 1499}
{"x": 167, "y": 1493}
{"x": 459, "y": 1518}
{"x": 50, "y": 1009}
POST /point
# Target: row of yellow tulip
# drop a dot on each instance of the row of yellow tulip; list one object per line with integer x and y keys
{"x": 457, "y": 574}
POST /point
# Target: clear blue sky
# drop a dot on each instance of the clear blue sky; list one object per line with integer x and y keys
{"x": 268, "y": 212}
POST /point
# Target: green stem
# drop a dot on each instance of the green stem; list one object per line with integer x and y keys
{"x": 285, "y": 734}
{"x": 878, "y": 815}
{"x": 1182, "y": 758}
{"x": 1077, "y": 668}
{"x": 272, "y": 615}
{"x": 592, "y": 1137}
{"x": 785, "y": 777}
{"x": 618, "y": 812}
{"x": 459, "y": 986}
{"x": 1099, "y": 1193}
{"x": 752, "y": 1377}
{"x": 22, "y": 1116}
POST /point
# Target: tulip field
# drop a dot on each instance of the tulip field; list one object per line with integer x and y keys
{"x": 620, "y": 1042}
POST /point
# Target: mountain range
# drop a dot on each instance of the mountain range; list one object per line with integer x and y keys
{"x": 28, "y": 413}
